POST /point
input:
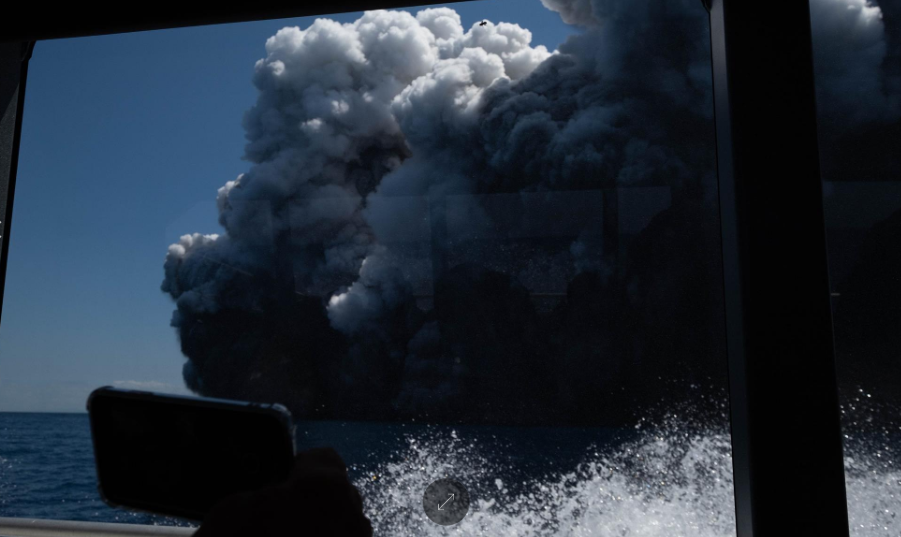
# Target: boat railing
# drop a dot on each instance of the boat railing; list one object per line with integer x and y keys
{"x": 30, "y": 527}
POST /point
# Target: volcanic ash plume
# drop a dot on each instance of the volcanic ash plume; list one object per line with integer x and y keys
{"x": 251, "y": 302}
{"x": 302, "y": 300}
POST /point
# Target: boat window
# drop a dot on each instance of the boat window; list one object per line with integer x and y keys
{"x": 477, "y": 241}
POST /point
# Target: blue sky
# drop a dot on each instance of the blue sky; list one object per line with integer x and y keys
{"x": 125, "y": 141}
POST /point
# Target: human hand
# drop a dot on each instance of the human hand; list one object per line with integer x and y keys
{"x": 317, "y": 500}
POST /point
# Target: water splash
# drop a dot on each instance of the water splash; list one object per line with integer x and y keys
{"x": 874, "y": 496}
{"x": 872, "y": 441}
{"x": 672, "y": 481}
{"x": 659, "y": 484}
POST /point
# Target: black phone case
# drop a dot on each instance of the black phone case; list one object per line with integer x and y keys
{"x": 275, "y": 410}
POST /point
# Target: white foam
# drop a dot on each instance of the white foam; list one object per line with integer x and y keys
{"x": 873, "y": 486}
{"x": 666, "y": 483}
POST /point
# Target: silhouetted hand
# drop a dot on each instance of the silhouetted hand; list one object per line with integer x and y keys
{"x": 317, "y": 500}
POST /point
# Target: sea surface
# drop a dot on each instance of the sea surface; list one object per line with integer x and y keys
{"x": 671, "y": 480}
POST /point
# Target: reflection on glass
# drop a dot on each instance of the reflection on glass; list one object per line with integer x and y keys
{"x": 857, "y": 56}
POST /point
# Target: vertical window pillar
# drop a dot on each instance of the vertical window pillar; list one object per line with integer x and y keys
{"x": 787, "y": 449}
{"x": 13, "y": 70}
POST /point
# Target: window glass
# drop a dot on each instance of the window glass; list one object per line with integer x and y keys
{"x": 857, "y": 57}
{"x": 478, "y": 241}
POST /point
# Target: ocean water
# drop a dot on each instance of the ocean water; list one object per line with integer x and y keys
{"x": 670, "y": 480}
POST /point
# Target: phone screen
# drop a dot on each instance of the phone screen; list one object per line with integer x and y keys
{"x": 180, "y": 456}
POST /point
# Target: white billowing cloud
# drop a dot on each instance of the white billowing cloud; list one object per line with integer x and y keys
{"x": 324, "y": 128}
{"x": 180, "y": 277}
{"x": 511, "y": 43}
{"x": 448, "y": 94}
{"x": 444, "y": 23}
{"x": 327, "y": 127}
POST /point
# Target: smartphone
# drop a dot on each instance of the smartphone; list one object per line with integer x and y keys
{"x": 179, "y": 456}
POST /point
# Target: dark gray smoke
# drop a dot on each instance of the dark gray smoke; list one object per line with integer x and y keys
{"x": 857, "y": 57}
{"x": 306, "y": 299}
{"x": 860, "y": 119}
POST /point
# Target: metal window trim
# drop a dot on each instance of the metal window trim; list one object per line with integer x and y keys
{"x": 14, "y": 59}
{"x": 36, "y": 23}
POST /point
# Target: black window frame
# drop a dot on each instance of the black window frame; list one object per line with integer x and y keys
{"x": 785, "y": 420}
